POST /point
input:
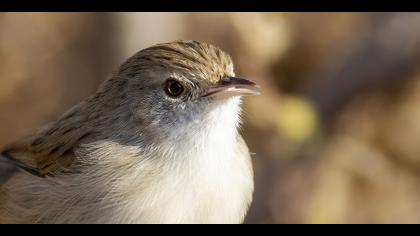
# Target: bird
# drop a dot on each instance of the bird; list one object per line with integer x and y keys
{"x": 158, "y": 143}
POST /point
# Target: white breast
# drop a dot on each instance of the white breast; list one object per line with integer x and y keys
{"x": 206, "y": 180}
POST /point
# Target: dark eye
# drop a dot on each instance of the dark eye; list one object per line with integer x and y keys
{"x": 173, "y": 88}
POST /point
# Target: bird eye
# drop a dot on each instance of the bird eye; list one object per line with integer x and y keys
{"x": 173, "y": 88}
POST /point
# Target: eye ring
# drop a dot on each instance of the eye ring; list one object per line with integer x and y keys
{"x": 173, "y": 88}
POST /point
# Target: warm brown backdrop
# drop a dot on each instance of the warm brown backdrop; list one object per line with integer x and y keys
{"x": 336, "y": 130}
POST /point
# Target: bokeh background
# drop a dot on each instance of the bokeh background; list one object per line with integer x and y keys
{"x": 336, "y": 132}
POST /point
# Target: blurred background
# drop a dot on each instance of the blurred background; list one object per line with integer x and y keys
{"x": 336, "y": 132}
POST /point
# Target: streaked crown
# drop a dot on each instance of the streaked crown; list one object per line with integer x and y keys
{"x": 203, "y": 60}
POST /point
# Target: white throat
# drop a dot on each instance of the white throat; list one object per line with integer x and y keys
{"x": 205, "y": 178}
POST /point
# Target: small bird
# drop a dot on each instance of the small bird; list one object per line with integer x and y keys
{"x": 157, "y": 143}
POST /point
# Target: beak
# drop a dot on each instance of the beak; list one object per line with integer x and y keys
{"x": 232, "y": 86}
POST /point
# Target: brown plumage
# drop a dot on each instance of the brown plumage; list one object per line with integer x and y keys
{"x": 51, "y": 149}
{"x": 112, "y": 135}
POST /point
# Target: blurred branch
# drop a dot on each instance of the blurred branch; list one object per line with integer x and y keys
{"x": 387, "y": 57}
